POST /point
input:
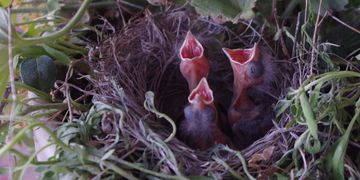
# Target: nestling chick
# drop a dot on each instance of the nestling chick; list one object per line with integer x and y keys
{"x": 200, "y": 128}
{"x": 194, "y": 65}
{"x": 247, "y": 119}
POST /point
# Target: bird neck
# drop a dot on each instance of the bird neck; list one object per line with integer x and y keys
{"x": 200, "y": 105}
{"x": 193, "y": 70}
{"x": 241, "y": 100}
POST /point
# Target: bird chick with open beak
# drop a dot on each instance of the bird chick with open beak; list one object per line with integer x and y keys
{"x": 194, "y": 65}
{"x": 200, "y": 128}
{"x": 247, "y": 119}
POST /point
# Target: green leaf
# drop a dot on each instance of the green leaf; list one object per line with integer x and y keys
{"x": 5, "y": 3}
{"x": 108, "y": 154}
{"x": 315, "y": 94}
{"x": 36, "y": 51}
{"x": 334, "y": 160}
{"x": 39, "y": 73}
{"x": 32, "y": 30}
{"x": 4, "y": 69}
{"x": 4, "y": 22}
{"x": 312, "y": 145}
{"x": 32, "y": 51}
{"x": 57, "y": 55}
{"x": 40, "y": 94}
{"x": 308, "y": 114}
{"x": 283, "y": 105}
{"x": 229, "y": 10}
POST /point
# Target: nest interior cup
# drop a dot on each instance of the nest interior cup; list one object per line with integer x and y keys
{"x": 144, "y": 56}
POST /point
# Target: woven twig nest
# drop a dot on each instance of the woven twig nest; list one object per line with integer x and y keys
{"x": 137, "y": 74}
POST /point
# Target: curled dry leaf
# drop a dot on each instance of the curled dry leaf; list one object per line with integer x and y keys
{"x": 265, "y": 155}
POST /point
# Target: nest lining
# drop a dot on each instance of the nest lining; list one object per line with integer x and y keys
{"x": 142, "y": 57}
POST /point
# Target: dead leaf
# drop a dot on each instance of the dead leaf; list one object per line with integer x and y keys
{"x": 263, "y": 156}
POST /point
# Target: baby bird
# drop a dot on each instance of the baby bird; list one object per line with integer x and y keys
{"x": 247, "y": 119}
{"x": 194, "y": 65}
{"x": 200, "y": 128}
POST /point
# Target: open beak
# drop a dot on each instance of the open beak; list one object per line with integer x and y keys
{"x": 201, "y": 94}
{"x": 191, "y": 48}
{"x": 241, "y": 60}
{"x": 242, "y": 56}
{"x": 194, "y": 65}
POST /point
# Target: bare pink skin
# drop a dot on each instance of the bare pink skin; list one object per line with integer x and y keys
{"x": 200, "y": 128}
{"x": 239, "y": 59}
{"x": 194, "y": 65}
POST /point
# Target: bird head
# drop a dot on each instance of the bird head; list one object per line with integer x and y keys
{"x": 194, "y": 65}
{"x": 247, "y": 65}
{"x": 191, "y": 48}
{"x": 202, "y": 95}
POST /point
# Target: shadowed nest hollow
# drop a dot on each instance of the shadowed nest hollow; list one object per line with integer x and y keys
{"x": 143, "y": 56}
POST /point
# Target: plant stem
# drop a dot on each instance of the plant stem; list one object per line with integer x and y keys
{"x": 12, "y": 87}
{"x": 28, "y": 10}
{"x": 65, "y": 49}
{"x": 72, "y": 46}
{"x": 325, "y": 77}
{"x": 313, "y": 50}
{"x": 331, "y": 75}
{"x": 55, "y": 35}
{"x": 34, "y": 21}
{"x": 134, "y": 166}
{"x": 113, "y": 167}
{"x": 308, "y": 114}
{"x": 22, "y": 132}
{"x": 92, "y": 5}
{"x": 58, "y": 106}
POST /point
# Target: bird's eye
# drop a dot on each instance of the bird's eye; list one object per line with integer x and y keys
{"x": 255, "y": 69}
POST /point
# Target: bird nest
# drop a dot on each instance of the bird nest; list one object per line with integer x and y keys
{"x": 139, "y": 82}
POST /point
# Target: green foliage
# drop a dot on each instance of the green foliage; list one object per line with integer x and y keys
{"x": 308, "y": 115}
{"x": 325, "y": 106}
{"x": 4, "y": 34}
{"x": 5, "y": 3}
{"x": 39, "y": 73}
{"x": 334, "y": 161}
{"x": 228, "y": 10}
{"x": 320, "y": 109}
{"x": 4, "y": 21}
{"x": 59, "y": 56}
{"x": 4, "y": 70}
{"x": 29, "y": 45}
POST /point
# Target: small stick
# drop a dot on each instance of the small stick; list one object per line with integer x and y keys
{"x": 12, "y": 87}
{"x": 314, "y": 38}
{"x": 296, "y": 34}
{"x": 343, "y": 23}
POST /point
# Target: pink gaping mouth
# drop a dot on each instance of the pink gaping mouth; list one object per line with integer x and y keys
{"x": 242, "y": 56}
{"x": 201, "y": 92}
{"x": 191, "y": 48}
